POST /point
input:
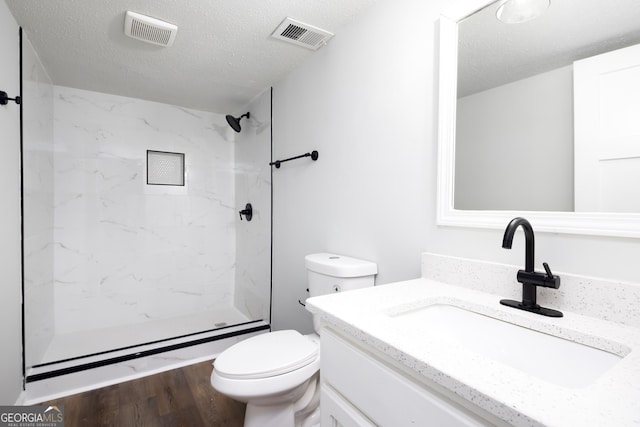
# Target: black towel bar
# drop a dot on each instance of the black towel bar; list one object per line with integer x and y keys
{"x": 313, "y": 155}
{"x": 4, "y": 98}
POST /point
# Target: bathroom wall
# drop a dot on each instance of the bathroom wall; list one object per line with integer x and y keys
{"x": 253, "y": 185}
{"x": 37, "y": 178}
{"x": 128, "y": 252}
{"x": 368, "y": 103}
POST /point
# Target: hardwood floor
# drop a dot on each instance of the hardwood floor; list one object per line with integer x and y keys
{"x": 181, "y": 397}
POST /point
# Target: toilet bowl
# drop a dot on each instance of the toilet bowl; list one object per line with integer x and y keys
{"x": 277, "y": 374}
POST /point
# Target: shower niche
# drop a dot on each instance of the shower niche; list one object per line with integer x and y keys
{"x": 113, "y": 264}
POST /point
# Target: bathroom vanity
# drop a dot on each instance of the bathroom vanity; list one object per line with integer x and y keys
{"x": 426, "y": 352}
{"x": 360, "y": 385}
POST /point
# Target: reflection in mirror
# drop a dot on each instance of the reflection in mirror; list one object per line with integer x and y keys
{"x": 516, "y": 137}
{"x": 505, "y": 176}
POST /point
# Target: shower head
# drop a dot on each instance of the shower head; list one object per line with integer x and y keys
{"x": 234, "y": 122}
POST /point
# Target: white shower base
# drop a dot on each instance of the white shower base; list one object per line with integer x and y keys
{"x": 102, "y": 376}
{"x": 83, "y": 343}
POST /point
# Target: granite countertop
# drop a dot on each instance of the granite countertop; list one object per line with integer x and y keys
{"x": 510, "y": 394}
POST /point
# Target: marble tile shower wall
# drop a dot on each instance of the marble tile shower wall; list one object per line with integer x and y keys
{"x": 37, "y": 172}
{"x": 127, "y": 252}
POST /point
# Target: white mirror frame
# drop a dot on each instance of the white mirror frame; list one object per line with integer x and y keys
{"x": 589, "y": 223}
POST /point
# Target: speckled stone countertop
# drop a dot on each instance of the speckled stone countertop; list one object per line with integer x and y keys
{"x": 520, "y": 399}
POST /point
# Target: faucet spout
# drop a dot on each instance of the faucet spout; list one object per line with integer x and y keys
{"x": 507, "y": 240}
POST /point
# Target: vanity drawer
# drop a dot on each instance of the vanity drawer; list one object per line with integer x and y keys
{"x": 384, "y": 395}
{"x": 337, "y": 412}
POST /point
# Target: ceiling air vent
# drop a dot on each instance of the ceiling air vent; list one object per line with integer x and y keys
{"x": 301, "y": 34}
{"x": 148, "y": 29}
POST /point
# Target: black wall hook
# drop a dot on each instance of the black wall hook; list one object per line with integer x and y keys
{"x": 313, "y": 155}
{"x": 4, "y": 98}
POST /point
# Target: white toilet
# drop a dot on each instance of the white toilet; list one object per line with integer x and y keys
{"x": 277, "y": 374}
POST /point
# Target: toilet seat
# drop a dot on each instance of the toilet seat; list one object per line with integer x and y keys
{"x": 266, "y": 356}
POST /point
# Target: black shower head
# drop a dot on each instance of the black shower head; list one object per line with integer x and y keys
{"x": 234, "y": 122}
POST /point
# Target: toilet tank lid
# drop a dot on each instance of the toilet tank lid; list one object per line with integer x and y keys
{"x": 339, "y": 265}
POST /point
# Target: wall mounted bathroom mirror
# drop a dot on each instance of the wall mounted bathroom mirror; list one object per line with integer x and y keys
{"x": 499, "y": 158}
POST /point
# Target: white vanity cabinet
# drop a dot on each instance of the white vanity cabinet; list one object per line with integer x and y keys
{"x": 359, "y": 389}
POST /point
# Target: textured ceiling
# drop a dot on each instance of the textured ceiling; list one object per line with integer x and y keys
{"x": 223, "y": 54}
{"x": 493, "y": 53}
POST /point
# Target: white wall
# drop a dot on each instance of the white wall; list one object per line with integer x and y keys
{"x": 368, "y": 103}
{"x": 10, "y": 252}
{"x": 517, "y": 139}
{"x": 127, "y": 252}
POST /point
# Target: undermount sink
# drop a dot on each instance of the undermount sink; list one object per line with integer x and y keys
{"x": 547, "y": 357}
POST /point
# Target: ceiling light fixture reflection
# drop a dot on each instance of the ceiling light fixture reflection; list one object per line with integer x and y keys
{"x": 518, "y": 11}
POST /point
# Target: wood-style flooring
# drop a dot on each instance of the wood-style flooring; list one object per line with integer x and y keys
{"x": 181, "y": 397}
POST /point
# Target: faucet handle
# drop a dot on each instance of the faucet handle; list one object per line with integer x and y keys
{"x": 551, "y": 281}
{"x": 548, "y": 270}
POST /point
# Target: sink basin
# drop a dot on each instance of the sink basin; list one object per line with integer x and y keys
{"x": 547, "y": 357}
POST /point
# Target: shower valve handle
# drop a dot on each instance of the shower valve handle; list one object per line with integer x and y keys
{"x": 247, "y": 212}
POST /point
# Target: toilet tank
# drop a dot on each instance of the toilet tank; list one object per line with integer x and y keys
{"x": 330, "y": 273}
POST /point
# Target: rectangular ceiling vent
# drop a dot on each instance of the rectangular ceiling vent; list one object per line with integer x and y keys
{"x": 301, "y": 34}
{"x": 148, "y": 29}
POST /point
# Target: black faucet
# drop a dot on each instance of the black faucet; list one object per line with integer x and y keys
{"x": 529, "y": 277}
